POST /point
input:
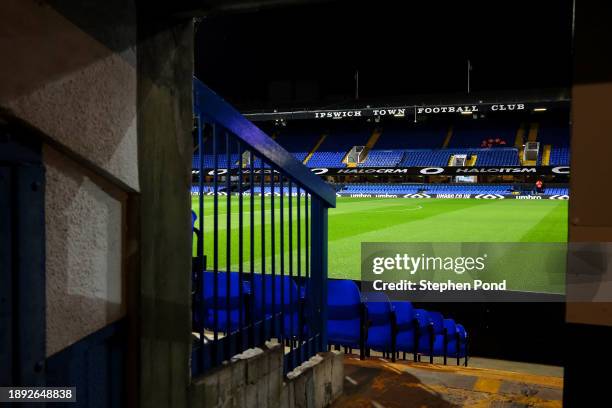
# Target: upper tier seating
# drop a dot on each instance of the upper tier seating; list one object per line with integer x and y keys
{"x": 557, "y": 136}
{"x": 341, "y": 137}
{"x": 406, "y": 135}
{"x": 382, "y": 158}
{"x": 396, "y": 137}
{"x": 297, "y": 138}
{"x": 485, "y": 157}
{"x": 403, "y": 143}
{"x": 209, "y": 161}
{"x": 473, "y": 133}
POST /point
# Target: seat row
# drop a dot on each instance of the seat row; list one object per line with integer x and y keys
{"x": 226, "y": 302}
{"x": 371, "y": 322}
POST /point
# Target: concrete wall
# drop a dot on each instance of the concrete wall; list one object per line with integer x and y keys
{"x": 84, "y": 268}
{"x": 255, "y": 379}
{"x": 108, "y": 88}
{"x": 70, "y": 73}
{"x": 165, "y": 121}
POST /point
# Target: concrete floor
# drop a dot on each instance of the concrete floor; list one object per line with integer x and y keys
{"x": 379, "y": 383}
{"x": 517, "y": 367}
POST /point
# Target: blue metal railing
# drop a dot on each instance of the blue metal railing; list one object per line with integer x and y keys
{"x": 267, "y": 280}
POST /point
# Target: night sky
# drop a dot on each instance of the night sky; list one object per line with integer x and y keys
{"x": 306, "y": 56}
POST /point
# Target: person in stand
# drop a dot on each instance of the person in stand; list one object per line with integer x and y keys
{"x": 539, "y": 186}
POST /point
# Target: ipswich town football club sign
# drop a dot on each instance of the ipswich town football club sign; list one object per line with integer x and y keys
{"x": 408, "y": 111}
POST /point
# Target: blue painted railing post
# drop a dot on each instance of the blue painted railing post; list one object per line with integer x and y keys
{"x": 258, "y": 298}
{"x": 319, "y": 269}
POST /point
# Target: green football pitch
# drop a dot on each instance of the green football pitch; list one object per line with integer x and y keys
{"x": 357, "y": 220}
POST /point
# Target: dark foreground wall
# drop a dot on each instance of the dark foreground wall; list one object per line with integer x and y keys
{"x": 165, "y": 68}
{"x": 105, "y": 89}
{"x": 589, "y": 324}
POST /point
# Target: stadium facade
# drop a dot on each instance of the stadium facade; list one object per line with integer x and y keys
{"x": 481, "y": 150}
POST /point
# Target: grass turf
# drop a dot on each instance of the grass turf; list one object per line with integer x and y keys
{"x": 357, "y": 220}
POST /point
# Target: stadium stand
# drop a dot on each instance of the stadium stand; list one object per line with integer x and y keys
{"x": 496, "y": 157}
{"x": 425, "y": 158}
{"x": 441, "y": 157}
{"x": 406, "y": 135}
{"x": 384, "y": 188}
{"x": 468, "y": 188}
{"x": 483, "y": 134}
{"x": 277, "y": 190}
{"x": 340, "y": 139}
{"x": 557, "y": 136}
{"x": 382, "y": 158}
{"x": 396, "y": 138}
{"x": 207, "y": 188}
{"x": 472, "y": 188}
{"x": 389, "y": 188}
{"x": 209, "y": 160}
{"x": 299, "y": 139}
{"x": 404, "y": 144}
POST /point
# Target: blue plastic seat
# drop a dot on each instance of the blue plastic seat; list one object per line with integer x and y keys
{"x": 346, "y": 315}
{"x": 382, "y": 325}
{"x": 436, "y": 330}
{"x": 424, "y": 327}
{"x": 292, "y": 304}
{"x": 462, "y": 344}
{"x": 225, "y": 316}
{"x": 408, "y": 327}
{"x": 444, "y": 342}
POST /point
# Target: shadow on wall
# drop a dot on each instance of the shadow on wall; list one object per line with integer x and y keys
{"x": 84, "y": 252}
{"x": 72, "y": 76}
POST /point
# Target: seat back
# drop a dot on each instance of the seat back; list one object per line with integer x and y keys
{"x": 437, "y": 321}
{"x": 343, "y": 300}
{"x": 462, "y": 332}
{"x": 404, "y": 313}
{"x": 208, "y": 289}
{"x": 422, "y": 317}
{"x": 282, "y": 285}
{"x": 451, "y": 328}
{"x": 379, "y": 308}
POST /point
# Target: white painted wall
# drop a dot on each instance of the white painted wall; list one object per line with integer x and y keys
{"x": 61, "y": 77}
{"x": 84, "y": 259}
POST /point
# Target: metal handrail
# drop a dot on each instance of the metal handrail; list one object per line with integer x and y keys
{"x": 223, "y": 113}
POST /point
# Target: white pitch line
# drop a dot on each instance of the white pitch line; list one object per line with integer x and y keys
{"x": 418, "y": 207}
{"x": 349, "y": 379}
